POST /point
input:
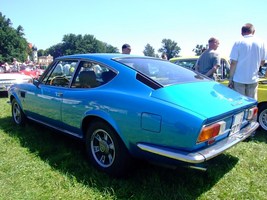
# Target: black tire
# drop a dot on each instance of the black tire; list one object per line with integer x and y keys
{"x": 106, "y": 151}
{"x": 262, "y": 116}
{"x": 17, "y": 114}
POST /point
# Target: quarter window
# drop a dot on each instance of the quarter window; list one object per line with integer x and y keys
{"x": 91, "y": 75}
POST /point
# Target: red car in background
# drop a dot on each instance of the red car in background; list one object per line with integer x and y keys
{"x": 34, "y": 72}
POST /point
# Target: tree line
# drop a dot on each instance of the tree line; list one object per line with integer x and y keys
{"x": 14, "y": 45}
{"x": 12, "y": 41}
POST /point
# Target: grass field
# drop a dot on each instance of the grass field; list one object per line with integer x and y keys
{"x": 38, "y": 163}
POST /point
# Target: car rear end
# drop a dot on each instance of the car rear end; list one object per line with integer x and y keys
{"x": 213, "y": 119}
{"x": 196, "y": 118}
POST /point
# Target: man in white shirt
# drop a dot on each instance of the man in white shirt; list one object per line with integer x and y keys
{"x": 247, "y": 55}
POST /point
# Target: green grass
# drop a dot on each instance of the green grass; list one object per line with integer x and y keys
{"x": 38, "y": 163}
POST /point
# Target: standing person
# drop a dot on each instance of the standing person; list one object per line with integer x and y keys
{"x": 247, "y": 55}
{"x": 15, "y": 64}
{"x": 126, "y": 49}
{"x": 209, "y": 61}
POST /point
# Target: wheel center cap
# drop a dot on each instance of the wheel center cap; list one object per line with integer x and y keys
{"x": 103, "y": 146}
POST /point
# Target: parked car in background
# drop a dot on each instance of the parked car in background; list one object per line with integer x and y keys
{"x": 126, "y": 106}
{"x": 32, "y": 71}
{"x": 222, "y": 76}
{"x": 8, "y": 79}
{"x": 222, "y": 73}
{"x": 187, "y": 62}
{"x": 262, "y": 98}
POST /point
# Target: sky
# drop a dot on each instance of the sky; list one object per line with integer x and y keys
{"x": 137, "y": 22}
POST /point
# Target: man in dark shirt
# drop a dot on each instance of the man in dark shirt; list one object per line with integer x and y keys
{"x": 209, "y": 61}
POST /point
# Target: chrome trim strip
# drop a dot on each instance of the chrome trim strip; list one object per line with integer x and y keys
{"x": 56, "y": 128}
{"x": 205, "y": 154}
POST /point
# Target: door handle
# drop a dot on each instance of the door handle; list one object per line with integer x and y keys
{"x": 59, "y": 94}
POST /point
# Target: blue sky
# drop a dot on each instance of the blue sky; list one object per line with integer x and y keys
{"x": 138, "y": 22}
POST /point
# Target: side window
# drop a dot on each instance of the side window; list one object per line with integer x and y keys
{"x": 61, "y": 73}
{"x": 91, "y": 75}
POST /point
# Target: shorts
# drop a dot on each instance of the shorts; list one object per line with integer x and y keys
{"x": 249, "y": 90}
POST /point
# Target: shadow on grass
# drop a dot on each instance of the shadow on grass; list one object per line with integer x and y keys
{"x": 67, "y": 155}
{"x": 3, "y": 94}
{"x": 260, "y": 136}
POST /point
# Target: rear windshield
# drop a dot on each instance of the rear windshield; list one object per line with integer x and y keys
{"x": 162, "y": 71}
{"x": 187, "y": 63}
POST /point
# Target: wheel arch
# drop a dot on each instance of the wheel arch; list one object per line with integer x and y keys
{"x": 262, "y": 103}
{"x": 262, "y": 106}
{"x": 12, "y": 97}
{"x": 106, "y": 118}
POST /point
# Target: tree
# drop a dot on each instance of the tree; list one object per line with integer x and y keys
{"x": 55, "y": 50}
{"x": 20, "y": 30}
{"x": 149, "y": 51}
{"x": 12, "y": 42}
{"x": 199, "y": 49}
{"x": 170, "y": 48}
{"x": 41, "y": 52}
{"x": 78, "y": 44}
{"x": 110, "y": 49}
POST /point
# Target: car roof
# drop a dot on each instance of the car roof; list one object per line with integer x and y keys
{"x": 101, "y": 56}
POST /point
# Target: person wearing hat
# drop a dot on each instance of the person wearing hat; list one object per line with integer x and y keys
{"x": 126, "y": 49}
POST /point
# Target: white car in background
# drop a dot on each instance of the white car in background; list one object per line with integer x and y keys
{"x": 8, "y": 79}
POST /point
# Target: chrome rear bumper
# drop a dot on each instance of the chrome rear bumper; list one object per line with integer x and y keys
{"x": 205, "y": 154}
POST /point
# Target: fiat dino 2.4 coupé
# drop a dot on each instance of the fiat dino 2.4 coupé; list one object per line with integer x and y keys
{"x": 126, "y": 106}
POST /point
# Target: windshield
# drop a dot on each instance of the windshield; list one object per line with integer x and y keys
{"x": 161, "y": 71}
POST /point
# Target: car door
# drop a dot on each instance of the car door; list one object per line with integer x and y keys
{"x": 80, "y": 98}
{"x": 43, "y": 102}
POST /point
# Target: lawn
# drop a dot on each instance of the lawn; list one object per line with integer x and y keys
{"x": 39, "y": 163}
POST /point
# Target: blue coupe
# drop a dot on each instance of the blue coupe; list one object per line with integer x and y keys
{"x": 126, "y": 106}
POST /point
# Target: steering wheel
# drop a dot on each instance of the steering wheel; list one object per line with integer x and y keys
{"x": 59, "y": 80}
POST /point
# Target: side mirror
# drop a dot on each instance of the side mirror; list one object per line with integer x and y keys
{"x": 36, "y": 82}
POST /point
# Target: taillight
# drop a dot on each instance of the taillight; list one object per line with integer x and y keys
{"x": 252, "y": 113}
{"x": 211, "y": 131}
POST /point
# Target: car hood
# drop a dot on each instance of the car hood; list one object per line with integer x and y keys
{"x": 208, "y": 99}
